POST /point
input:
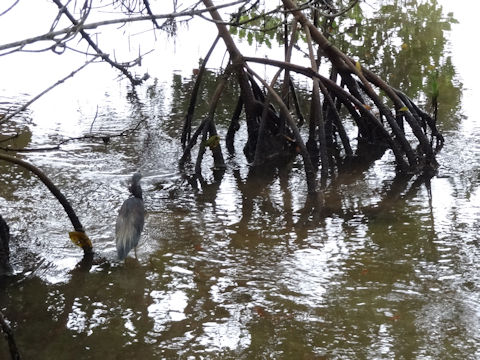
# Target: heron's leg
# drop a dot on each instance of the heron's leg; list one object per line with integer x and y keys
{"x": 135, "y": 251}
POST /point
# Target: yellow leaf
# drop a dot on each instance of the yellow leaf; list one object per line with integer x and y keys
{"x": 403, "y": 109}
{"x": 358, "y": 66}
{"x": 80, "y": 239}
{"x": 404, "y": 46}
{"x": 368, "y": 107}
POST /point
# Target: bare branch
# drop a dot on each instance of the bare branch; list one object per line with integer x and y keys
{"x": 105, "y": 138}
{"x": 77, "y": 225}
{"x": 9, "y": 8}
{"x": 310, "y": 172}
{"x": 12, "y": 345}
{"x": 52, "y": 35}
{"x": 149, "y": 12}
{"x": 87, "y": 38}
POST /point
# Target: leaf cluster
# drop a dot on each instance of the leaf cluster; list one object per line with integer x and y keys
{"x": 258, "y": 25}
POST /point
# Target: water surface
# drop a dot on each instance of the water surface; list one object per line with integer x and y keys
{"x": 241, "y": 264}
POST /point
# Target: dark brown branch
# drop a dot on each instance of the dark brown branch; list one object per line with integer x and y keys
{"x": 234, "y": 126}
{"x": 259, "y": 156}
{"x": 316, "y": 118}
{"x": 347, "y": 65}
{"x": 54, "y": 190}
{"x": 417, "y": 130}
{"x": 105, "y": 57}
{"x": 191, "y": 143}
{"x": 337, "y": 120}
{"x": 149, "y": 12}
{"x": 187, "y": 125}
{"x": 300, "y": 117}
{"x": 422, "y": 117}
{"x": 309, "y": 170}
{"x": 289, "y": 43}
{"x": 12, "y": 345}
{"x": 237, "y": 62}
{"x": 50, "y": 36}
{"x": 105, "y": 138}
{"x": 209, "y": 127}
{"x": 9, "y": 8}
{"x": 341, "y": 93}
{"x": 259, "y": 150}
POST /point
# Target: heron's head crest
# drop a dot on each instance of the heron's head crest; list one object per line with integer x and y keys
{"x": 135, "y": 188}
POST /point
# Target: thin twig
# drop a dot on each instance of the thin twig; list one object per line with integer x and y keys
{"x": 105, "y": 138}
{"x": 105, "y": 57}
{"x": 51, "y": 35}
{"x": 94, "y": 118}
{"x": 10, "y": 8}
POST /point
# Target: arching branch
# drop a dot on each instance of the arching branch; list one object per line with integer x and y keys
{"x": 87, "y": 248}
{"x": 310, "y": 172}
{"x": 8, "y": 332}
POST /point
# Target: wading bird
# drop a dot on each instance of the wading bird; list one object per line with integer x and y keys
{"x": 130, "y": 220}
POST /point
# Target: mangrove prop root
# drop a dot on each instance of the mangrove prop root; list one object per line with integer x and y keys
{"x": 234, "y": 126}
{"x": 359, "y": 89}
{"x": 187, "y": 126}
{"x": 316, "y": 118}
{"x": 210, "y": 127}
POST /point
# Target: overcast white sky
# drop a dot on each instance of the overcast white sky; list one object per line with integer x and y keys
{"x": 33, "y": 72}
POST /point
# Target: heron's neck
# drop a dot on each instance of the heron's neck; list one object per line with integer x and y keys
{"x": 136, "y": 191}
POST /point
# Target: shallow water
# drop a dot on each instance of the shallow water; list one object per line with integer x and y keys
{"x": 239, "y": 264}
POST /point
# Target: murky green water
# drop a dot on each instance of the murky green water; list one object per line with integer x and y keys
{"x": 241, "y": 265}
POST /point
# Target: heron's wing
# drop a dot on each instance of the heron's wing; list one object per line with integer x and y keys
{"x": 129, "y": 225}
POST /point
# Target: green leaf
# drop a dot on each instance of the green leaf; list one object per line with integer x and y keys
{"x": 250, "y": 38}
{"x": 244, "y": 18}
{"x": 242, "y": 33}
{"x": 212, "y": 141}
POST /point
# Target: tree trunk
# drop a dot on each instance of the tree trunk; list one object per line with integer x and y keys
{"x": 5, "y": 267}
